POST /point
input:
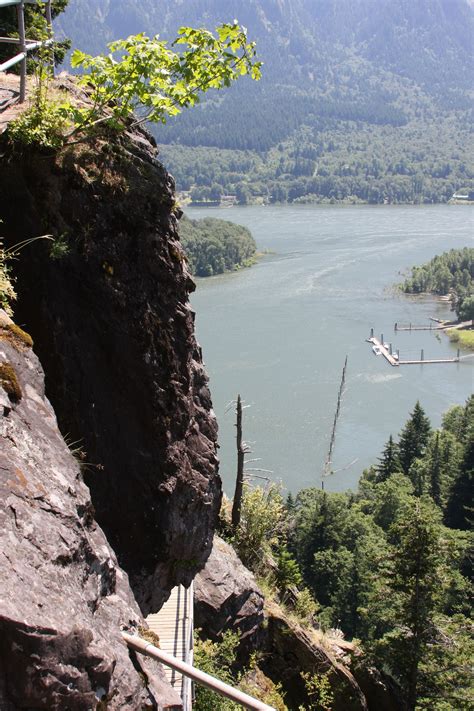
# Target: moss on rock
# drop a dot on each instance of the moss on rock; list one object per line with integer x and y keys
{"x": 16, "y": 335}
{"x": 9, "y": 382}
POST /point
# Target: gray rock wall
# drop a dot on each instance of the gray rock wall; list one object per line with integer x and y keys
{"x": 227, "y": 597}
{"x": 115, "y": 334}
{"x": 64, "y": 598}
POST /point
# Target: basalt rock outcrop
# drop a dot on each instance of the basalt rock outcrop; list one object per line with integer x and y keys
{"x": 290, "y": 650}
{"x": 227, "y": 597}
{"x": 64, "y": 597}
{"x": 115, "y": 335}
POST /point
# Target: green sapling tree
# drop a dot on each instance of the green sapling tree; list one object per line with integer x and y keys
{"x": 143, "y": 79}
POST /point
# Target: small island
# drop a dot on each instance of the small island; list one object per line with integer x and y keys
{"x": 215, "y": 246}
{"x": 450, "y": 276}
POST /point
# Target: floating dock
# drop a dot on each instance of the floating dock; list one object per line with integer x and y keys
{"x": 396, "y": 361}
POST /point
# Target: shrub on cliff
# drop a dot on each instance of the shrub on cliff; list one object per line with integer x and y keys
{"x": 141, "y": 79}
{"x": 7, "y": 291}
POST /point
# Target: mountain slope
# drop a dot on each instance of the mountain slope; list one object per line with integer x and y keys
{"x": 397, "y": 69}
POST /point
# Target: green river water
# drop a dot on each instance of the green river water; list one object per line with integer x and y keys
{"x": 278, "y": 333}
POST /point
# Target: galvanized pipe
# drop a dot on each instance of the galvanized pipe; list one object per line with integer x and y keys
{"x": 20, "y": 11}
{"x": 30, "y": 44}
{"x": 144, "y": 647}
{"x": 49, "y": 20}
{"x": 7, "y": 3}
{"x": 19, "y": 57}
{"x": 11, "y": 62}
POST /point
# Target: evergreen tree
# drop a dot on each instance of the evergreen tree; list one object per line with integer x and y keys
{"x": 288, "y": 573}
{"x": 389, "y": 498}
{"x": 460, "y": 506}
{"x": 468, "y": 434}
{"x": 389, "y": 461}
{"x": 418, "y": 477}
{"x": 436, "y": 473}
{"x": 414, "y": 438}
{"x": 445, "y": 671}
{"x": 413, "y": 591}
{"x": 453, "y": 421}
{"x": 290, "y": 503}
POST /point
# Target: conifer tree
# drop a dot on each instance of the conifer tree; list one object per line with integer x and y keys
{"x": 389, "y": 461}
{"x": 414, "y": 438}
{"x": 412, "y": 586}
{"x": 460, "y": 506}
{"x": 435, "y": 472}
{"x": 290, "y": 503}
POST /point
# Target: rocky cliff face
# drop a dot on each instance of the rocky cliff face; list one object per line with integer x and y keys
{"x": 64, "y": 597}
{"x": 114, "y": 332}
{"x": 227, "y": 597}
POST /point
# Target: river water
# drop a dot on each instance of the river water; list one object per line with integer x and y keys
{"x": 278, "y": 334}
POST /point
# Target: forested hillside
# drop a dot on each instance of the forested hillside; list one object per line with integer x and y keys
{"x": 358, "y": 101}
{"x": 388, "y": 564}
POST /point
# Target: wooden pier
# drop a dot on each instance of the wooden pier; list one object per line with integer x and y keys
{"x": 396, "y": 361}
{"x": 384, "y": 351}
{"x": 441, "y": 326}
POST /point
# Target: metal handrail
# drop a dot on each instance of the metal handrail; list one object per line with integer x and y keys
{"x": 24, "y": 44}
{"x": 144, "y": 647}
{"x": 187, "y": 690}
{"x": 7, "y": 3}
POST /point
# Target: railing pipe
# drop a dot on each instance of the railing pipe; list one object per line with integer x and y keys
{"x": 31, "y": 45}
{"x": 20, "y": 11}
{"x": 19, "y": 57}
{"x": 11, "y": 62}
{"x": 7, "y": 3}
{"x": 15, "y": 40}
{"x": 189, "y": 655}
{"x": 49, "y": 21}
{"x": 144, "y": 647}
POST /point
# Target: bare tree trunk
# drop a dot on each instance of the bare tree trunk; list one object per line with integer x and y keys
{"x": 328, "y": 462}
{"x": 239, "y": 483}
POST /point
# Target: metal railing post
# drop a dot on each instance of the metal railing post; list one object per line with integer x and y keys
{"x": 20, "y": 10}
{"x": 189, "y": 644}
{"x": 49, "y": 20}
